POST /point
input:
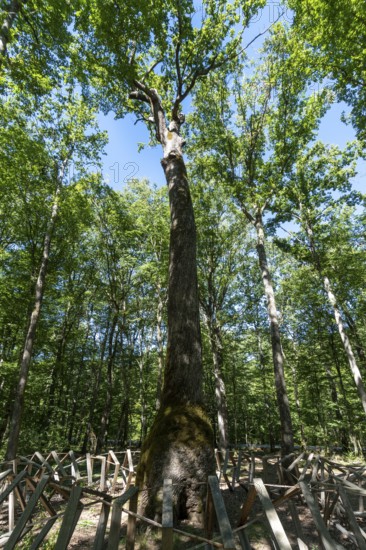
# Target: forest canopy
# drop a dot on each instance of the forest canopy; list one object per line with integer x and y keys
{"x": 109, "y": 312}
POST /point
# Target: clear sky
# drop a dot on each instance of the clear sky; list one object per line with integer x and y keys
{"x": 123, "y": 161}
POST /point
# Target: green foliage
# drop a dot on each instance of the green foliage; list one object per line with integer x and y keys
{"x": 251, "y": 142}
{"x": 336, "y": 32}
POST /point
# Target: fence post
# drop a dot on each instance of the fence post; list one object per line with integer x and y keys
{"x": 114, "y": 531}
{"x": 131, "y": 522}
{"x": 72, "y": 513}
{"x": 221, "y": 514}
{"x": 18, "y": 530}
{"x": 89, "y": 468}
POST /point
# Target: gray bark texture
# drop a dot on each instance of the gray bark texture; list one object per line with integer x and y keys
{"x": 214, "y": 331}
{"x": 346, "y": 344}
{"x": 179, "y": 445}
{"x": 287, "y": 442}
{"x": 338, "y": 318}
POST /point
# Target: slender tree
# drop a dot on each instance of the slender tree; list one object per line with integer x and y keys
{"x": 321, "y": 172}
{"x": 279, "y": 117}
{"x": 72, "y": 145}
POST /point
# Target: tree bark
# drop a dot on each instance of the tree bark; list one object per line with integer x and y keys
{"x": 18, "y": 406}
{"x": 183, "y": 371}
{"x": 220, "y": 391}
{"x": 104, "y": 421}
{"x": 179, "y": 445}
{"x": 346, "y": 344}
{"x": 287, "y": 442}
{"x": 338, "y": 318}
{"x": 266, "y": 392}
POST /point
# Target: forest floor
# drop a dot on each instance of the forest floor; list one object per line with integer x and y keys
{"x": 258, "y": 533}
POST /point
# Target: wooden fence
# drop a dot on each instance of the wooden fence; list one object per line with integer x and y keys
{"x": 328, "y": 490}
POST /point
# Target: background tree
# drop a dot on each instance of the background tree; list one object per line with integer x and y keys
{"x": 274, "y": 122}
{"x": 72, "y": 120}
{"x": 320, "y": 172}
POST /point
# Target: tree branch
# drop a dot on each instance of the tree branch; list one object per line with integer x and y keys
{"x": 150, "y": 70}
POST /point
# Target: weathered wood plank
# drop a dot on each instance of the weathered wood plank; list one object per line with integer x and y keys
{"x": 329, "y": 507}
{"x": 60, "y": 467}
{"x": 5, "y": 474}
{"x": 103, "y": 465}
{"x": 72, "y": 513}
{"x": 287, "y": 495}
{"x": 237, "y": 468}
{"x": 306, "y": 466}
{"x": 44, "y": 464}
{"x": 327, "y": 541}
{"x": 89, "y": 468}
{"x": 131, "y": 522}
{"x": 101, "y": 527}
{"x": 315, "y": 469}
{"x": 167, "y": 517}
{"x": 274, "y": 523}
{"x": 114, "y": 531}
{"x": 22, "y": 521}
{"x": 247, "y": 506}
{"x": 345, "y": 532}
{"x": 117, "y": 465}
{"x": 244, "y": 540}
{"x": 42, "y": 534}
{"x": 218, "y": 463}
{"x": 11, "y": 511}
{"x": 74, "y": 466}
{"x": 295, "y": 519}
{"x": 221, "y": 514}
{"x": 295, "y": 462}
{"x": 44, "y": 501}
{"x": 130, "y": 467}
{"x": 251, "y": 468}
{"x": 351, "y": 518}
{"x": 12, "y": 485}
{"x": 351, "y": 487}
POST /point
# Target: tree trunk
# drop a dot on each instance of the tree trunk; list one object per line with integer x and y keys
{"x": 346, "y": 344}
{"x": 220, "y": 391}
{"x": 179, "y": 445}
{"x": 104, "y": 422}
{"x": 96, "y": 385}
{"x": 357, "y": 338}
{"x": 49, "y": 412}
{"x": 338, "y": 319}
{"x": 266, "y": 393}
{"x": 287, "y": 442}
{"x": 18, "y": 406}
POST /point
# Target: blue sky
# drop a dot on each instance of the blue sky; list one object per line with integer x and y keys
{"x": 123, "y": 161}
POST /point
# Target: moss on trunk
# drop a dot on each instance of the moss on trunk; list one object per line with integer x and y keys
{"x": 179, "y": 447}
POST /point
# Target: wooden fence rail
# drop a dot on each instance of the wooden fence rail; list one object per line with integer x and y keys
{"x": 328, "y": 489}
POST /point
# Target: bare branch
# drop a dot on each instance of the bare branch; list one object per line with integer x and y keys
{"x": 151, "y": 96}
{"x": 150, "y": 70}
